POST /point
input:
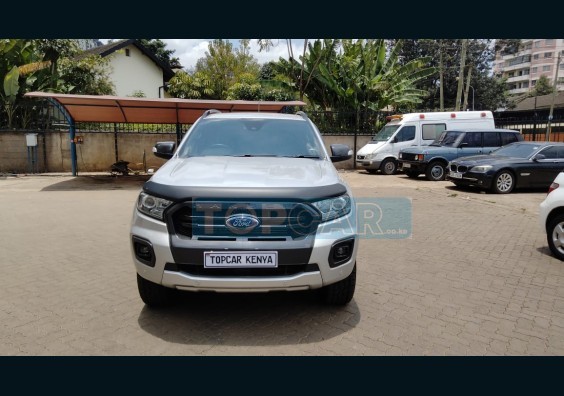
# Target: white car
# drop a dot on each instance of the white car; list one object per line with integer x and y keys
{"x": 249, "y": 202}
{"x": 551, "y": 216}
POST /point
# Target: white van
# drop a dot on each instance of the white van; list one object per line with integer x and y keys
{"x": 414, "y": 129}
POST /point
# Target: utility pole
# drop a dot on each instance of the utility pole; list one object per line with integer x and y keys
{"x": 461, "y": 74}
{"x": 555, "y": 88}
{"x": 441, "y": 91}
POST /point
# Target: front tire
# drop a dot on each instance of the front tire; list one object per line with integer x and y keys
{"x": 503, "y": 183}
{"x": 341, "y": 293}
{"x": 152, "y": 294}
{"x": 389, "y": 166}
{"x": 436, "y": 171}
{"x": 555, "y": 236}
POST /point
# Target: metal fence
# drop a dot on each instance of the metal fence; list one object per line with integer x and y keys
{"x": 533, "y": 124}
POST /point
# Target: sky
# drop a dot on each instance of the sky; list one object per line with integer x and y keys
{"x": 190, "y": 50}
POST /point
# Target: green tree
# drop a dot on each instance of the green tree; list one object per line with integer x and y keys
{"x": 362, "y": 75}
{"x": 13, "y": 54}
{"x": 223, "y": 65}
{"x": 46, "y": 65}
{"x": 191, "y": 86}
{"x": 158, "y": 47}
{"x": 479, "y": 57}
{"x": 85, "y": 76}
{"x": 542, "y": 87}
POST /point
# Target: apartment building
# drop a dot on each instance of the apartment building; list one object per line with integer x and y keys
{"x": 535, "y": 58}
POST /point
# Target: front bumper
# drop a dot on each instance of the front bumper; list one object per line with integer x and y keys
{"x": 482, "y": 180}
{"x": 415, "y": 166}
{"x": 370, "y": 164}
{"x": 316, "y": 273}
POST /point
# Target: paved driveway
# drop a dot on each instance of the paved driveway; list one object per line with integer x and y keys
{"x": 475, "y": 278}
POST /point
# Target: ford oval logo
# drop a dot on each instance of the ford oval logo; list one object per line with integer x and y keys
{"x": 241, "y": 223}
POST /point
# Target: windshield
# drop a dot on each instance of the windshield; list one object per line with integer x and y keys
{"x": 518, "y": 150}
{"x": 252, "y": 137}
{"x": 448, "y": 139}
{"x": 385, "y": 133}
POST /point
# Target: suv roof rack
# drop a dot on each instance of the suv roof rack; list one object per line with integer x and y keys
{"x": 302, "y": 114}
{"x": 210, "y": 111}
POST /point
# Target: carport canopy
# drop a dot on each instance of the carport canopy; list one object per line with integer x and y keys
{"x": 93, "y": 108}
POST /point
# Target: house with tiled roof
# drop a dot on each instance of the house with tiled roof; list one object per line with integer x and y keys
{"x": 134, "y": 68}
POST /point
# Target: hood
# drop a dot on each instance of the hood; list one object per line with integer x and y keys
{"x": 370, "y": 148}
{"x": 246, "y": 172}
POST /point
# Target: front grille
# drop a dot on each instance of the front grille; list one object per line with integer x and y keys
{"x": 281, "y": 270}
{"x": 206, "y": 219}
{"x": 360, "y": 157}
{"x": 408, "y": 156}
{"x": 458, "y": 168}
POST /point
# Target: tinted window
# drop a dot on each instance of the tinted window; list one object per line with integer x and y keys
{"x": 432, "y": 131}
{"x": 553, "y": 152}
{"x": 406, "y": 134}
{"x": 449, "y": 138}
{"x": 507, "y": 138}
{"x": 491, "y": 139}
{"x": 473, "y": 139}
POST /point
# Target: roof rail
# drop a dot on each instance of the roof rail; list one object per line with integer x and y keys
{"x": 210, "y": 111}
{"x": 302, "y": 114}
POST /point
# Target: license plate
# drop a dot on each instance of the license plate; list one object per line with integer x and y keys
{"x": 240, "y": 259}
{"x": 455, "y": 175}
{"x": 406, "y": 166}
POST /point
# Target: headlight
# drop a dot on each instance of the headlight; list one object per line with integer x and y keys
{"x": 152, "y": 206}
{"x": 400, "y": 155}
{"x": 333, "y": 208}
{"x": 481, "y": 168}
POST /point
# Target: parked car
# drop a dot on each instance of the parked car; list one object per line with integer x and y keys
{"x": 414, "y": 129}
{"x": 522, "y": 164}
{"x": 551, "y": 216}
{"x": 249, "y": 202}
{"x": 432, "y": 160}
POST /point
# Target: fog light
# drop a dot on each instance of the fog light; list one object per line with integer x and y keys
{"x": 144, "y": 251}
{"x": 341, "y": 252}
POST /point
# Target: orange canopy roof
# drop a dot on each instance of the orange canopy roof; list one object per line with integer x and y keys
{"x": 93, "y": 108}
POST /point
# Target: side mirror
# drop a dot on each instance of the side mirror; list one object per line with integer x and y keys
{"x": 539, "y": 157}
{"x": 463, "y": 145}
{"x": 164, "y": 150}
{"x": 340, "y": 152}
{"x": 395, "y": 139}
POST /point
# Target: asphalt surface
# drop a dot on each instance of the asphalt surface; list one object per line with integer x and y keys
{"x": 473, "y": 277}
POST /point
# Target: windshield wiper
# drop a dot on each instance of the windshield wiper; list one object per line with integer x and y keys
{"x": 254, "y": 155}
{"x": 300, "y": 156}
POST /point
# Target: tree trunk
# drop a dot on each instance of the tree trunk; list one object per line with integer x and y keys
{"x": 302, "y": 87}
{"x": 468, "y": 79}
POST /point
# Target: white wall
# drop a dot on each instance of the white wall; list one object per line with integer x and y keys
{"x": 136, "y": 72}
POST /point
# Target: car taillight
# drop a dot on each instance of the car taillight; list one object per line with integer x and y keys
{"x": 552, "y": 187}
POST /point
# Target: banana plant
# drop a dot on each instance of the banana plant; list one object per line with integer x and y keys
{"x": 11, "y": 88}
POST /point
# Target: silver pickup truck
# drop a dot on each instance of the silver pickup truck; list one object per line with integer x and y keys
{"x": 248, "y": 202}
